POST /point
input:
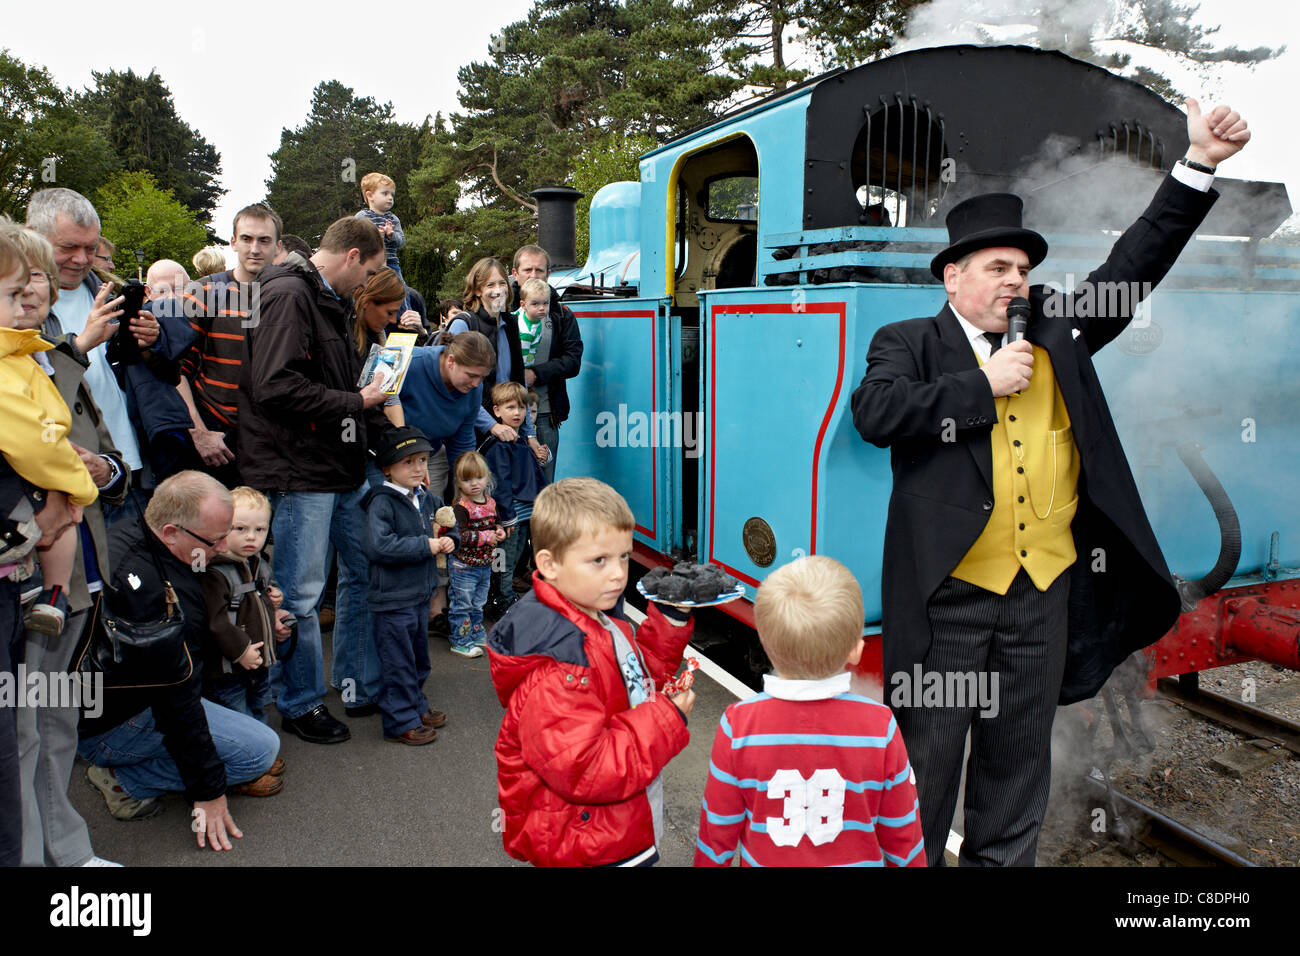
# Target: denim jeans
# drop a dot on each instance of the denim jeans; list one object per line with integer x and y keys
{"x": 135, "y": 752}
{"x": 469, "y": 591}
{"x": 248, "y": 698}
{"x": 403, "y": 640}
{"x": 305, "y": 524}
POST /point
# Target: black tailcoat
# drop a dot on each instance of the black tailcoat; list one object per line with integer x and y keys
{"x": 923, "y": 384}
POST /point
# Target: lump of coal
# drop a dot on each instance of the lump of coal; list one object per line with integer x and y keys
{"x": 674, "y": 587}
{"x": 651, "y": 579}
{"x": 706, "y": 587}
{"x": 685, "y": 569}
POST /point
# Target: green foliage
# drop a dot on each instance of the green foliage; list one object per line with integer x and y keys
{"x": 610, "y": 158}
{"x": 136, "y": 115}
{"x": 136, "y": 214}
{"x": 44, "y": 141}
{"x": 316, "y": 173}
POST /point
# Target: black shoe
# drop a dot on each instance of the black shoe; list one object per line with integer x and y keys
{"x": 362, "y": 710}
{"x": 317, "y": 727}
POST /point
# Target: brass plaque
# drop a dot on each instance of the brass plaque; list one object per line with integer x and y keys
{"x": 760, "y": 543}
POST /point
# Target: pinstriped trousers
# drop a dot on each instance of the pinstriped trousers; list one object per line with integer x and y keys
{"x": 1020, "y": 637}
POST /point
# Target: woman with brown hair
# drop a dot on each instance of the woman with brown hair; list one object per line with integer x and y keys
{"x": 377, "y": 304}
{"x": 486, "y": 293}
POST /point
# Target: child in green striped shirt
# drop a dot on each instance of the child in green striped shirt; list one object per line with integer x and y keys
{"x": 534, "y": 303}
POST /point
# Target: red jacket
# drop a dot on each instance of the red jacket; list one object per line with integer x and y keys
{"x": 573, "y": 761}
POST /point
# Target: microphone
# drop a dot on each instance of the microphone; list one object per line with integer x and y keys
{"x": 1017, "y": 319}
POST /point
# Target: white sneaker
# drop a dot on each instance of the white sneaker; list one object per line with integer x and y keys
{"x": 98, "y": 861}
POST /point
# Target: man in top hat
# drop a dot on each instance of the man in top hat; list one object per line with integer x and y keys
{"x": 1009, "y": 484}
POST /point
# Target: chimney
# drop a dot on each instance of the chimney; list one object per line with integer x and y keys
{"x": 557, "y": 224}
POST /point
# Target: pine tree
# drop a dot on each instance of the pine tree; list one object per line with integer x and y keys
{"x": 138, "y": 118}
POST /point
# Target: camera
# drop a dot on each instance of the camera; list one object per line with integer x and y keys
{"x": 122, "y": 347}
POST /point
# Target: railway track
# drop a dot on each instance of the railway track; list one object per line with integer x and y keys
{"x": 1135, "y": 821}
{"x": 1237, "y": 715}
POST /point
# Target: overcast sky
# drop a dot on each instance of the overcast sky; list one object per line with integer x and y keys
{"x": 240, "y": 82}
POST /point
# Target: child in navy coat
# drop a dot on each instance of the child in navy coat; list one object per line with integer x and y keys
{"x": 402, "y": 542}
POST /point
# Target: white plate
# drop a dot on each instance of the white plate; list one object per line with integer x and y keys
{"x": 725, "y": 597}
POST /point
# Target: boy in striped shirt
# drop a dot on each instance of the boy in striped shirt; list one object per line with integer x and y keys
{"x": 807, "y": 773}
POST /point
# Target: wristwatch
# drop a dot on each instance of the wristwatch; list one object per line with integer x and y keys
{"x": 1199, "y": 167}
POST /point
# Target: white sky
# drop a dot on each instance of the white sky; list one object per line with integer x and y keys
{"x": 240, "y": 82}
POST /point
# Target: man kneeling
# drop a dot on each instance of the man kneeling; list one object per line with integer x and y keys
{"x": 150, "y": 741}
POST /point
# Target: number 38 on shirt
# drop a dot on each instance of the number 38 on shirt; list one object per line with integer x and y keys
{"x": 812, "y": 807}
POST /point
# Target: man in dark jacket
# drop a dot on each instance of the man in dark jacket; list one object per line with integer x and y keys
{"x": 1009, "y": 482}
{"x": 303, "y": 432}
{"x": 151, "y": 741}
{"x": 560, "y": 343}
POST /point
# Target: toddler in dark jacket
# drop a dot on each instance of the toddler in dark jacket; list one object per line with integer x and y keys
{"x": 402, "y": 542}
{"x": 519, "y": 479}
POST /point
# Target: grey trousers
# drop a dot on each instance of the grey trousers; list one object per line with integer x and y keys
{"x": 1020, "y": 638}
{"x": 54, "y": 834}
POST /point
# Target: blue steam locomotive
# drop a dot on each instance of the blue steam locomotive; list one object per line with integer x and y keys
{"x": 730, "y": 296}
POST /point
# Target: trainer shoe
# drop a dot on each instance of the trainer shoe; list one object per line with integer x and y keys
{"x": 100, "y": 861}
{"x": 120, "y": 804}
{"x": 467, "y": 650}
{"x": 49, "y": 613}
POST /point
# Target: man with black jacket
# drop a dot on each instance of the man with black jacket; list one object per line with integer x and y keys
{"x": 151, "y": 741}
{"x": 303, "y": 432}
{"x": 560, "y": 343}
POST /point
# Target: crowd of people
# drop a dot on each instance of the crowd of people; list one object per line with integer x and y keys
{"x": 217, "y": 451}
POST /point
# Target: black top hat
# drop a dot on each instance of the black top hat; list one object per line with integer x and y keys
{"x": 401, "y": 443}
{"x": 981, "y": 222}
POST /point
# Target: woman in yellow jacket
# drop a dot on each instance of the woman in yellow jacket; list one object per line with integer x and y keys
{"x": 34, "y": 439}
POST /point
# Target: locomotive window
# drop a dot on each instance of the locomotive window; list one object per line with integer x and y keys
{"x": 899, "y": 163}
{"x": 733, "y": 199}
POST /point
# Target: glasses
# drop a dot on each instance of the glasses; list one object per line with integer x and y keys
{"x": 38, "y": 275}
{"x": 199, "y": 537}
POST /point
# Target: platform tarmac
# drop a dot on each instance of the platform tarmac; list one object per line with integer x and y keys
{"x": 368, "y": 802}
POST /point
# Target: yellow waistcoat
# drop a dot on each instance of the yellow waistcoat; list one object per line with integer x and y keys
{"x": 1035, "y": 489}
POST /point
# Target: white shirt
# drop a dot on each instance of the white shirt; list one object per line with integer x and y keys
{"x": 822, "y": 689}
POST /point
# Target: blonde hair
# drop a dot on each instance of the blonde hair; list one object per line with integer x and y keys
{"x": 480, "y": 273}
{"x": 35, "y": 250}
{"x": 573, "y": 507}
{"x": 473, "y": 465}
{"x": 372, "y": 182}
{"x": 250, "y": 498}
{"x": 209, "y": 261}
{"x": 503, "y": 393}
{"x": 534, "y": 288}
{"x": 809, "y": 617}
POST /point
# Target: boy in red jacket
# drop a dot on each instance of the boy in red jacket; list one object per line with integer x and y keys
{"x": 585, "y": 735}
{"x": 807, "y": 773}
